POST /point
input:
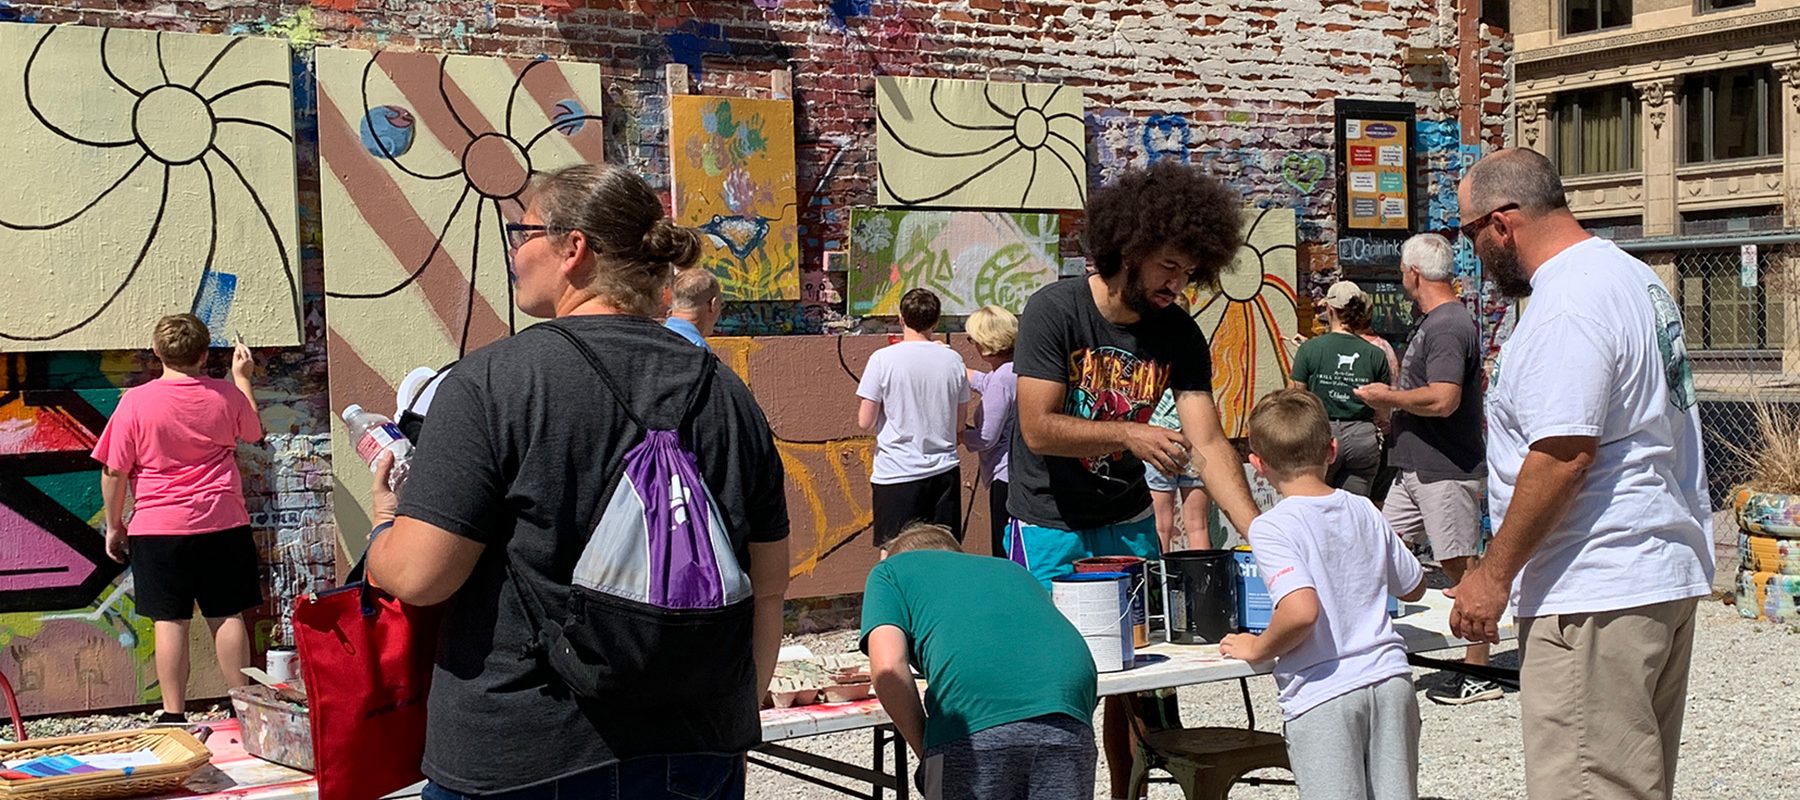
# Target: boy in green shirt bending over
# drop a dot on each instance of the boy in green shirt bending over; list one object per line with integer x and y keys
{"x": 1010, "y": 685}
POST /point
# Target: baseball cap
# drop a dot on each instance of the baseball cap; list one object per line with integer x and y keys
{"x": 1341, "y": 293}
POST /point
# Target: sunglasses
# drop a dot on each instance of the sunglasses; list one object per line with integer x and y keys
{"x": 1474, "y": 226}
{"x": 518, "y": 233}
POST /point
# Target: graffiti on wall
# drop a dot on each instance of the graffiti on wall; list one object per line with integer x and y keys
{"x": 969, "y": 258}
{"x": 425, "y": 159}
{"x": 1248, "y": 319}
{"x": 53, "y": 555}
{"x": 151, "y": 173}
{"x": 1118, "y": 141}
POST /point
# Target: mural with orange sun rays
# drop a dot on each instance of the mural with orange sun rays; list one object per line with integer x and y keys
{"x": 1250, "y": 316}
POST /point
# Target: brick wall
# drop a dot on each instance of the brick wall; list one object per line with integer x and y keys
{"x": 1243, "y": 87}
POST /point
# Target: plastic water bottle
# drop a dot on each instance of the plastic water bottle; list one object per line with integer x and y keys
{"x": 375, "y": 434}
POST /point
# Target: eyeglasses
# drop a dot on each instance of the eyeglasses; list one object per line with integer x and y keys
{"x": 1474, "y": 226}
{"x": 518, "y": 233}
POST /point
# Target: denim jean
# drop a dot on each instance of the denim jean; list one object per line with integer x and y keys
{"x": 696, "y": 777}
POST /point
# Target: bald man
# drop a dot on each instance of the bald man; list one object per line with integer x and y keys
{"x": 1597, "y": 487}
{"x": 696, "y": 305}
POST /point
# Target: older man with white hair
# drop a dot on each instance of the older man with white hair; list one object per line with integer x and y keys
{"x": 1437, "y": 438}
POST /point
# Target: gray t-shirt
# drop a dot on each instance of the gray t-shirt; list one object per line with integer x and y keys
{"x": 919, "y": 386}
{"x": 517, "y": 454}
{"x": 1446, "y": 349}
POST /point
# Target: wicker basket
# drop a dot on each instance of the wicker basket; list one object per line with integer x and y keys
{"x": 181, "y": 755}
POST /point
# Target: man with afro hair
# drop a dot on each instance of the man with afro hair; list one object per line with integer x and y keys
{"x": 1093, "y": 357}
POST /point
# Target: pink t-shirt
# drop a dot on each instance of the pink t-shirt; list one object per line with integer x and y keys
{"x": 177, "y": 441}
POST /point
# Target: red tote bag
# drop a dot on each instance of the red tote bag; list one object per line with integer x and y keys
{"x": 367, "y": 659}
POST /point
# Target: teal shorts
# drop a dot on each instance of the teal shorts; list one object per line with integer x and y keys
{"x": 1051, "y": 553}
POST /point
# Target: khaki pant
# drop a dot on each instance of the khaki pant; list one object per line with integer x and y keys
{"x": 1602, "y": 699}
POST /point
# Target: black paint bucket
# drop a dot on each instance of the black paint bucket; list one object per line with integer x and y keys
{"x": 1203, "y": 595}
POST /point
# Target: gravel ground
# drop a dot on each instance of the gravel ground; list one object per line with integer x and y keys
{"x": 49, "y": 727}
{"x": 1475, "y": 751}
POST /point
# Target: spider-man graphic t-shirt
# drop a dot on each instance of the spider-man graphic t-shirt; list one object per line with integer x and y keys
{"x": 1112, "y": 372}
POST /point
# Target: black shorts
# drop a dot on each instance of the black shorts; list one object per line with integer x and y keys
{"x": 218, "y": 570}
{"x": 935, "y": 499}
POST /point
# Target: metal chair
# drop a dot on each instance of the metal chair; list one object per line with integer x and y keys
{"x": 1205, "y": 762}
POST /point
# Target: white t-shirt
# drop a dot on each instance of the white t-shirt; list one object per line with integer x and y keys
{"x": 1339, "y": 546}
{"x": 919, "y": 386}
{"x": 1599, "y": 352}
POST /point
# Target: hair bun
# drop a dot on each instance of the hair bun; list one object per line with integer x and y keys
{"x": 666, "y": 241}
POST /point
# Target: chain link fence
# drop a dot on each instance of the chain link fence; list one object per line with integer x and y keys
{"x": 1740, "y": 310}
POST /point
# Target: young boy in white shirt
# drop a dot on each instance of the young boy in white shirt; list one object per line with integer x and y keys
{"x": 1330, "y": 560}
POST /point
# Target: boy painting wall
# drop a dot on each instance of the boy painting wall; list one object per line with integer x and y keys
{"x": 914, "y": 397}
{"x": 170, "y": 456}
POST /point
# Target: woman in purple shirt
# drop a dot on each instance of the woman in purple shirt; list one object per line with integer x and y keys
{"x": 993, "y": 330}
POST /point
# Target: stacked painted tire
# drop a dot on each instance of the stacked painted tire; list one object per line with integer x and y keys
{"x": 1768, "y": 584}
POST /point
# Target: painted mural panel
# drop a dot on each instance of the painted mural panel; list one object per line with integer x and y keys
{"x": 425, "y": 159}
{"x": 1248, "y": 319}
{"x": 806, "y": 386}
{"x": 973, "y": 144}
{"x": 148, "y": 173}
{"x": 969, "y": 258}
{"x": 732, "y": 175}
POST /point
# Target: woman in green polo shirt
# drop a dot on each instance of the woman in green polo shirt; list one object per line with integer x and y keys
{"x": 1332, "y": 365}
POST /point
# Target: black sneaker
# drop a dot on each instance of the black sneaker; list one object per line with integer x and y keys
{"x": 169, "y": 719}
{"x": 1465, "y": 691}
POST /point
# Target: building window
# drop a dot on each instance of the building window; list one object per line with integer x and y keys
{"x": 1719, "y": 312}
{"x": 1586, "y": 16}
{"x": 1596, "y": 131}
{"x": 1615, "y": 228}
{"x": 1720, "y": 5}
{"x": 1731, "y": 115}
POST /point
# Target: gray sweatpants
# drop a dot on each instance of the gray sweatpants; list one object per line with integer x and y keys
{"x": 1043, "y": 758}
{"x": 1359, "y": 746}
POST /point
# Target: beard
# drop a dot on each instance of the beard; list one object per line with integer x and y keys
{"x": 1502, "y": 265}
{"x": 1141, "y": 298}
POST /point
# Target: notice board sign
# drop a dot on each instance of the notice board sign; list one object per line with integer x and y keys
{"x": 1375, "y": 178}
{"x": 1391, "y": 312}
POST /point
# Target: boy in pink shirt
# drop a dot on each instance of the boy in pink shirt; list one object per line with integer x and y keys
{"x": 175, "y": 440}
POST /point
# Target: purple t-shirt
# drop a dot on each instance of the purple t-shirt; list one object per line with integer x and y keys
{"x": 991, "y": 437}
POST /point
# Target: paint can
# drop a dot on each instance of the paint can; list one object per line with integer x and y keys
{"x": 284, "y": 664}
{"x": 1203, "y": 595}
{"x": 1098, "y": 605}
{"x": 1132, "y": 567}
{"x": 1254, "y": 607}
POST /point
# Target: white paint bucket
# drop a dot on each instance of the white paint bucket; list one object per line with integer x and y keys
{"x": 1098, "y": 604}
{"x": 284, "y": 664}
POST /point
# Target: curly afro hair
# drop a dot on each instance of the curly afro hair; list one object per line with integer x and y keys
{"x": 1167, "y": 204}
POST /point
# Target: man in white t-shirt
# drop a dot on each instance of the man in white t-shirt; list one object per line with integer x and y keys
{"x": 915, "y": 395}
{"x": 1597, "y": 487}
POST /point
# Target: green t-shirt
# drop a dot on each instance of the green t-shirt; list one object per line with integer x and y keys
{"x": 993, "y": 648}
{"x": 1333, "y": 365}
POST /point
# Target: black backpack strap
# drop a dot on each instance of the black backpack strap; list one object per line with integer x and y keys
{"x": 593, "y": 360}
{"x": 423, "y": 387}
{"x": 702, "y": 388}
